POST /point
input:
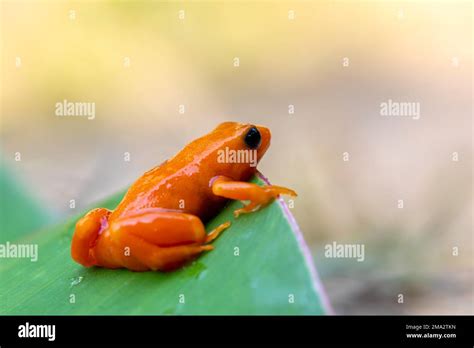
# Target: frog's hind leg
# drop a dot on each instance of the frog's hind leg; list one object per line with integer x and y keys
{"x": 85, "y": 235}
{"x": 163, "y": 240}
{"x": 165, "y": 228}
{"x": 155, "y": 258}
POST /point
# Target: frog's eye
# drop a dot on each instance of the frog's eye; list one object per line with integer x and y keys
{"x": 253, "y": 138}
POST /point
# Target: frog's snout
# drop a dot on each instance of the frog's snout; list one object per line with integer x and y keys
{"x": 266, "y": 136}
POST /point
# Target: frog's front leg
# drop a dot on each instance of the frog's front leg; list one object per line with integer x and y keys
{"x": 156, "y": 240}
{"x": 259, "y": 196}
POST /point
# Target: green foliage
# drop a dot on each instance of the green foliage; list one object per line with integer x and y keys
{"x": 257, "y": 267}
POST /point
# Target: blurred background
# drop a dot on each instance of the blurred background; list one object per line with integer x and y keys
{"x": 163, "y": 73}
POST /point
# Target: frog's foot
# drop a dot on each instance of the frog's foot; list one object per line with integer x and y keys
{"x": 85, "y": 235}
{"x": 259, "y": 196}
{"x": 161, "y": 240}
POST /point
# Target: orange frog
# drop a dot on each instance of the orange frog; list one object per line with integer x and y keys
{"x": 158, "y": 225}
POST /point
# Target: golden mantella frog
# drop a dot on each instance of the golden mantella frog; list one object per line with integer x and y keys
{"x": 159, "y": 224}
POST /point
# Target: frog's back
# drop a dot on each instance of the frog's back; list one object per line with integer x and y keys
{"x": 183, "y": 182}
{"x": 185, "y": 189}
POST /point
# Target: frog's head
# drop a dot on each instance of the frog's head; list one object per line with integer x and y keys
{"x": 231, "y": 149}
{"x": 234, "y": 149}
{"x": 244, "y": 136}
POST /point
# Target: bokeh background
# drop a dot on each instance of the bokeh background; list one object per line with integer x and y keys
{"x": 335, "y": 62}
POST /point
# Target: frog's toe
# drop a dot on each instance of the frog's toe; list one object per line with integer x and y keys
{"x": 217, "y": 231}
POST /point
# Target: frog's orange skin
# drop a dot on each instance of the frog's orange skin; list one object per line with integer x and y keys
{"x": 159, "y": 223}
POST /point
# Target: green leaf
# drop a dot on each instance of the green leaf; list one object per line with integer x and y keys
{"x": 271, "y": 275}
